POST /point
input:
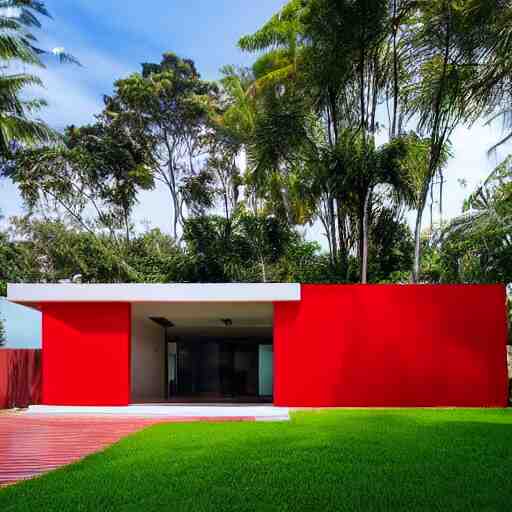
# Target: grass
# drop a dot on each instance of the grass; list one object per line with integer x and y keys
{"x": 409, "y": 459}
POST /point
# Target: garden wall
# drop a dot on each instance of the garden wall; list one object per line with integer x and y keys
{"x": 20, "y": 378}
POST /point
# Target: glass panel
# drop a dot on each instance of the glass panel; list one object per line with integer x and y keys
{"x": 266, "y": 370}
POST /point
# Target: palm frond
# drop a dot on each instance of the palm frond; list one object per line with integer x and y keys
{"x": 19, "y": 128}
{"x": 502, "y": 141}
{"x": 277, "y": 31}
{"x": 65, "y": 58}
{"x": 13, "y": 84}
{"x": 26, "y": 6}
{"x": 14, "y": 47}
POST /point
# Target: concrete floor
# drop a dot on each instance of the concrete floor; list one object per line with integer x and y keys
{"x": 255, "y": 412}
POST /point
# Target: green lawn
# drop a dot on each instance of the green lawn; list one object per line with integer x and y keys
{"x": 337, "y": 460}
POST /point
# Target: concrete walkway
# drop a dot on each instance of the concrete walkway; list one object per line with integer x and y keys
{"x": 173, "y": 411}
{"x": 44, "y": 438}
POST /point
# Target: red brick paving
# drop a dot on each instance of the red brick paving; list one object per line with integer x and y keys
{"x": 34, "y": 444}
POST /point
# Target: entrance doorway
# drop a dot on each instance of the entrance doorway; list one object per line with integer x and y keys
{"x": 202, "y": 352}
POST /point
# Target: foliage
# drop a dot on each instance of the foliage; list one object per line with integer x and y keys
{"x": 165, "y": 111}
{"x": 51, "y": 251}
{"x": 246, "y": 248}
{"x": 12, "y": 267}
{"x": 3, "y": 335}
{"x": 477, "y": 246}
{"x": 18, "y": 20}
{"x": 391, "y": 248}
{"x": 98, "y": 169}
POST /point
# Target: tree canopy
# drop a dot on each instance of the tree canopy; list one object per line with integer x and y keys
{"x": 342, "y": 126}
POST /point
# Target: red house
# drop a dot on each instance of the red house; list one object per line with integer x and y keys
{"x": 294, "y": 345}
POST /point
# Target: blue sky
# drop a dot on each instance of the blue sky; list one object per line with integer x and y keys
{"x": 112, "y": 37}
{"x": 22, "y": 325}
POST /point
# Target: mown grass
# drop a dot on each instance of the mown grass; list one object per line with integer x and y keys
{"x": 330, "y": 460}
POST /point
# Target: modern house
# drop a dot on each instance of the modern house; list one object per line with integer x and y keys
{"x": 290, "y": 344}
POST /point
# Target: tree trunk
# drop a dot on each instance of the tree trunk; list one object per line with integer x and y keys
{"x": 332, "y": 223}
{"x": 364, "y": 258}
{"x": 127, "y": 225}
{"x": 342, "y": 253}
{"x": 263, "y": 271}
{"x": 395, "y": 73}
{"x": 417, "y": 238}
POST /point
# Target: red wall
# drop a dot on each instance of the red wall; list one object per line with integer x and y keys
{"x": 20, "y": 377}
{"x": 391, "y": 345}
{"x": 86, "y": 353}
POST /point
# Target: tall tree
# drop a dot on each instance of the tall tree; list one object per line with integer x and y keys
{"x": 328, "y": 66}
{"x": 165, "y": 111}
{"x": 445, "y": 40}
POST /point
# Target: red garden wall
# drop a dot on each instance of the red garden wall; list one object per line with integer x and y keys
{"x": 86, "y": 353}
{"x": 391, "y": 345}
{"x": 20, "y": 377}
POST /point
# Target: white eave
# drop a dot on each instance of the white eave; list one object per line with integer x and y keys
{"x": 142, "y": 292}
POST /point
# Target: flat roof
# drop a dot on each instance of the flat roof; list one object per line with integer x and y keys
{"x": 152, "y": 292}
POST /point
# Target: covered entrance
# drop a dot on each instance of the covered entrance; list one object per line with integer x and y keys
{"x": 202, "y": 352}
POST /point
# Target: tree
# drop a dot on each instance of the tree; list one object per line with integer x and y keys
{"x": 92, "y": 181}
{"x": 12, "y": 264}
{"x": 51, "y": 250}
{"x": 444, "y": 41}
{"x": 477, "y": 246}
{"x": 391, "y": 248}
{"x": 165, "y": 111}
{"x": 117, "y": 167}
{"x": 490, "y": 92}
{"x": 233, "y": 128}
{"x": 247, "y": 248}
{"x": 18, "y": 19}
{"x": 327, "y": 64}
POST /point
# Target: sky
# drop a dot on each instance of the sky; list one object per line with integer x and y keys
{"x": 111, "y": 38}
{"x": 22, "y": 325}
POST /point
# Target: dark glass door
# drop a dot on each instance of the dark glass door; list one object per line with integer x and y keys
{"x": 217, "y": 368}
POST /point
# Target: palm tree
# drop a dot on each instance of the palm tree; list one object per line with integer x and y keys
{"x": 488, "y": 209}
{"x": 481, "y": 238}
{"x": 280, "y": 40}
{"x": 18, "y": 46}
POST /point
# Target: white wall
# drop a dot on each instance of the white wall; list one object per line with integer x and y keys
{"x": 148, "y": 360}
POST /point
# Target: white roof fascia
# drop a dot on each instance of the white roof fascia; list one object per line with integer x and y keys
{"x": 151, "y": 292}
